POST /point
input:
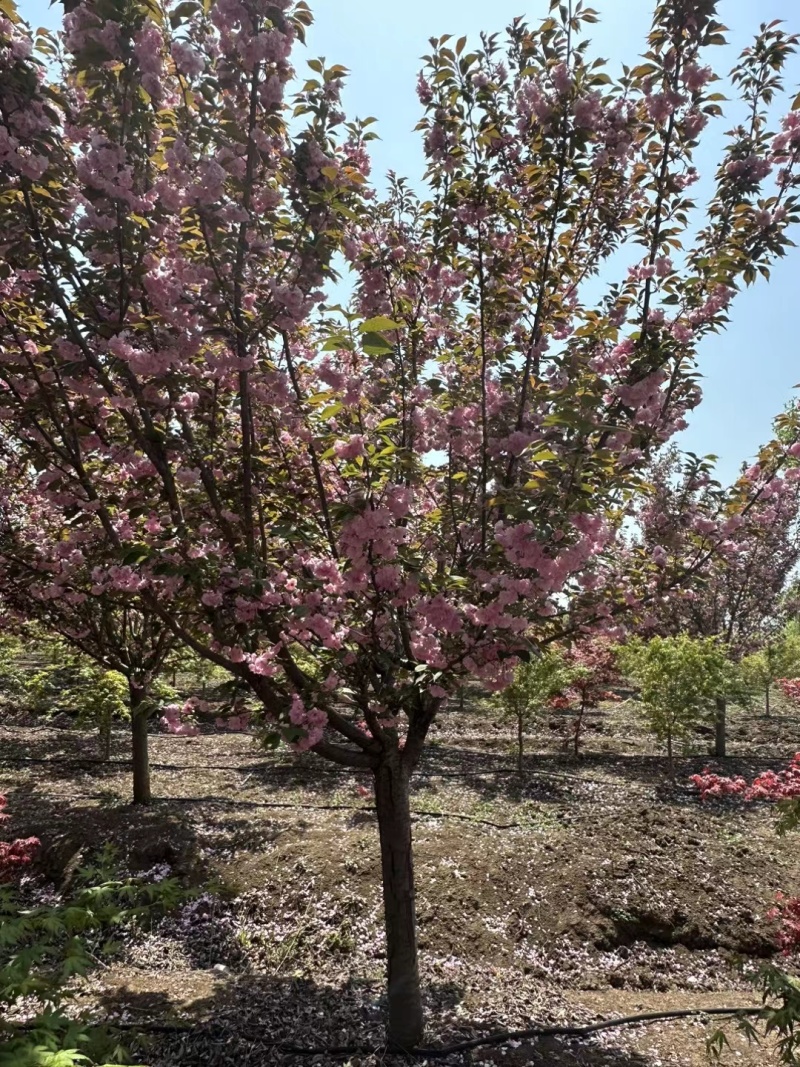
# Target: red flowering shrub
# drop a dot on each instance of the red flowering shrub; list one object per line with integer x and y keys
{"x": 592, "y": 663}
{"x": 787, "y": 913}
{"x": 769, "y": 785}
{"x": 718, "y": 785}
{"x": 15, "y": 855}
{"x": 791, "y": 689}
{"x": 592, "y": 667}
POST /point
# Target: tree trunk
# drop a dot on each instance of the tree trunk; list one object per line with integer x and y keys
{"x": 141, "y": 756}
{"x": 766, "y": 702}
{"x": 520, "y": 742}
{"x": 394, "y": 826}
{"x": 579, "y": 728}
{"x": 720, "y": 728}
{"x": 105, "y": 737}
{"x": 670, "y": 760}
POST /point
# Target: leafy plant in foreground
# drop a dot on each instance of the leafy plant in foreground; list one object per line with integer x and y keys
{"x": 48, "y": 942}
{"x": 780, "y": 991}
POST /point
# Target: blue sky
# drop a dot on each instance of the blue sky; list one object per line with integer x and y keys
{"x": 749, "y": 370}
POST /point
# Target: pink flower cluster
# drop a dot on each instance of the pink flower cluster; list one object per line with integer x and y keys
{"x": 787, "y": 143}
{"x": 174, "y": 720}
{"x": 717, "y": 785}
{"x": 310, "y": 720}
{"x": 749, "y": 170}
{"x": 235, "y": 724}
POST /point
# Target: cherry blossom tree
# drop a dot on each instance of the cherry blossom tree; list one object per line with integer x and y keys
{"x": 397, "y": 489}
{"x": 740, "y": 592}
{"x": 46, "y": 576}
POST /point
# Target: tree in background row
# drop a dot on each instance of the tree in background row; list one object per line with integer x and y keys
{"x": 592, "y": 669}
{"x": 401, "y": 488}
{"x": 740, "y": 595}
{"x": 535, "y": 682}
{"x": 679, "y": 680}
{"x": 48, "y": 574}
{"x": 778, "y": 659}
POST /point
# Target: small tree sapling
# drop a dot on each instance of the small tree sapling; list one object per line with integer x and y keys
{"x": 679, "y": 680}
{"x": 535, "y": 682}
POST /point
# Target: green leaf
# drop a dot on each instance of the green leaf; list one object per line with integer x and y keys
{"x": 184, "y": 10}
{"x": 331, "y": 410}
{"x": 378, "y": 324}
{"x": 336, "y": 342}
{"x": 375, "y": 345}
{"x": 136, "y": 554}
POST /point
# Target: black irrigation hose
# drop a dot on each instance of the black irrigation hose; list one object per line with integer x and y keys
{"x": 93, "y": 762}
{"x": 583, "y": 1031}
{"x": 502, "y": 1037}
{"x": 368, "y": 809}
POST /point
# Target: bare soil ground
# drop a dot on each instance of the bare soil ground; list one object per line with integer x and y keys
{"x": 587, "y": 888}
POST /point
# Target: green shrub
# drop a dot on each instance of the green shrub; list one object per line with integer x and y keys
{"x": 679, "y": 680}
{"x": 11, "y": 674}
{"x": 535, "y": 682}
{"x": 43, "y": 947}
{"x": 779, "y": 658}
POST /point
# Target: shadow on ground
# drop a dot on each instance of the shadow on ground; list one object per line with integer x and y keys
{"x": 244, "y": 1022}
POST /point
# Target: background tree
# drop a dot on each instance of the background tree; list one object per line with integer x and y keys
{"x": 68, "y": 681}
{"x": 592, "y": 670}
{"x": 779, "y": 658}
{"x": 46, "y": 576}
{"x": 679, "y": 679}
{"x": 740, "y": 594}
{"x": 535, "y": 682}
{"x": 398, "y": 488}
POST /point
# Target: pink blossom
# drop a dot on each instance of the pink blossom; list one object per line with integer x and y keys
{"x": 695, "y": 77}
{"x": 186, "y": 59}
{"x": 352, "y": 448}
